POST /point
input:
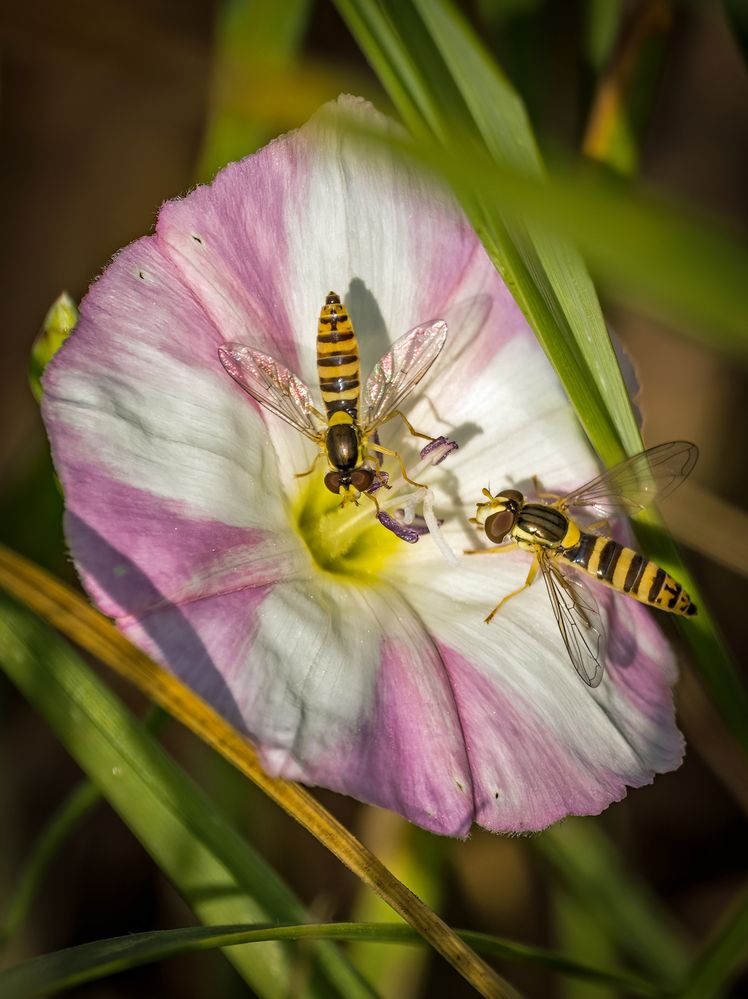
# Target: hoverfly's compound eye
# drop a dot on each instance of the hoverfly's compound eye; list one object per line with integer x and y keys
{"x": 362, "y": 479}
{"x": 514, "y": 497}
{"x": 332, "y": 481}
{"x": 498, "y": 525}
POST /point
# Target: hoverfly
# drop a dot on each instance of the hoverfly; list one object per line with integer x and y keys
{"x": 349, "y": 443}
{"x": 556, "y": 541}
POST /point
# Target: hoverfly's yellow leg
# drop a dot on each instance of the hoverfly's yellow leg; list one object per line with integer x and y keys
{"x": 408, "y": 424}
{"x": 541, "y": 494}
{"x": 495, "y": 550}
{"x": 378, "y": 462}
{"x": 530, "y": 577}
{"x": 403, "y": 469}
{"x": 373, "y": 499}
{"x": 300, "y": 475}
{"x": 596, "y": 525}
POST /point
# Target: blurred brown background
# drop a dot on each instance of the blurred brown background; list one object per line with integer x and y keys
{"x": 102, "y": 113}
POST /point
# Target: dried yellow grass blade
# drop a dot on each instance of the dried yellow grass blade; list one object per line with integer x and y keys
{"x": 62, "y": 607}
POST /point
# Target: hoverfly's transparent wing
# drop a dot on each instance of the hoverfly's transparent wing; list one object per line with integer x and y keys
{"x": 637, "y": 482}
{"x": 272, "y": 385}
{"x": 399, "y": 371}
{"x": 578, "y": 618}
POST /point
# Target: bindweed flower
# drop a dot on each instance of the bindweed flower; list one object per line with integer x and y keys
{"x": 352, "y": 660}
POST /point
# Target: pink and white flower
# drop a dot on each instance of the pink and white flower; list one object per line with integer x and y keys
{"x": 352, "y": 660}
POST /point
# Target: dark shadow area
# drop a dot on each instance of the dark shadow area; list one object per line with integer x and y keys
{"x": 374, "y": 339}
{"x": 622, "y": 642}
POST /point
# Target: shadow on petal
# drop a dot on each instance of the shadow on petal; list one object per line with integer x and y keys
{"x": 622, "y": 640}
{"x": 168, "y": 637}
{"x": 374, "y": 337}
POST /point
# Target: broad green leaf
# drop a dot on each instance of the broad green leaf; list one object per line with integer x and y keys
{"x": 66, "y": 968}
{"x": 57, "y": 326}
{"x": 220, "y": 876}
{"x": 591, "y": 868}
{"x": 68, "y": 611}
{"x": 492, "y": 164}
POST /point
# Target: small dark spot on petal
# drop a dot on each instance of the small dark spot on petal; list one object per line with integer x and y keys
{"x": 196, "y": 238}
{"x": 141, "y": 275}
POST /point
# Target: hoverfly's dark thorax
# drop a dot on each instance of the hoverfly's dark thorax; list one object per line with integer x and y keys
{"x": 543, "y": 523}
{"x": 342, "y": 446}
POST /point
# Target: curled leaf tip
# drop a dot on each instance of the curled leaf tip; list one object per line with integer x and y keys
{"x": 58, "y": 324}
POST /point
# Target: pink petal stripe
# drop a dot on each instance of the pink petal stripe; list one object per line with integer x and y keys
{"x": 228, "y": 241}
{"x": 525, "y": 776}
{"x": 140, "y": 304}
{"x": 206, "y": 644}
{"x": 152, "y": 553}
{"x": 406, "y": 750}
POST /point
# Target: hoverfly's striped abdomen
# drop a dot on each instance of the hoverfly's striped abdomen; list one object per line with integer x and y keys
{"x": 627, "y": 571}
{"x": 337, "y": 358}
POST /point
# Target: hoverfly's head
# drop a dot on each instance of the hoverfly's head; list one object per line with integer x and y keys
{"x": 499, "y": 514}
{"x": 350, "y": 484}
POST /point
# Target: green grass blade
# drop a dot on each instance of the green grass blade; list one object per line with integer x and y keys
{"x": 390, "y": 57}
{"x": 217, "y": 872}
{"x": 64, "y": 969}
{"x": 722, "y": 958}
{"x": 638, "y": 243}
{"x": 589, "y": 865}
{"x": 61, "y": 826}
{"x": 418, "y": 859}
{"x": 577, "y": 932}
{"x": 53, "y": 837}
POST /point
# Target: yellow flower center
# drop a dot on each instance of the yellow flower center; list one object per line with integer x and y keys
{"x": 344, "y": 541}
